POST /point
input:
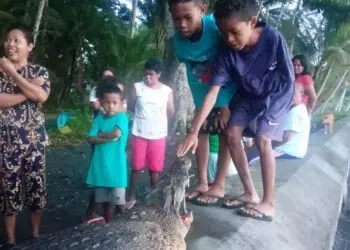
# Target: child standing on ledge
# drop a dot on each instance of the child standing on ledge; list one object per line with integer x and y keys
{"x": 256, "y": 58}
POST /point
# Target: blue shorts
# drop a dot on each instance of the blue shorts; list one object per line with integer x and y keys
{"x": 256, "y": 119}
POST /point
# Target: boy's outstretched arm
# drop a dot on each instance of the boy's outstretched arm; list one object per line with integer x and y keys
{"x": 191, "y": 141}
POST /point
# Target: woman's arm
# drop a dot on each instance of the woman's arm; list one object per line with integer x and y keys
{"x": 31, "y": 91}
{"x": 287, "y": 136}
{"x": 132, "y": 99}
{"x": 311, "y": 93}
{"x": 10, "y": 100}
{"x": 170, "y": 105}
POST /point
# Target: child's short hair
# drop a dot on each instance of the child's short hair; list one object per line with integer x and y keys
{"x": 154, "y": 64}
{"x": 108, "y": 85}
{"x": 243, "y": 9}
{"x": 172, "y": 2}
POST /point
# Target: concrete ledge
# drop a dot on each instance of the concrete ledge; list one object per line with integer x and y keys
{"x": 309, "y": 195}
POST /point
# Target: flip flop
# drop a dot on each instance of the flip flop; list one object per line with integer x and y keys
{"x": 129, "y": 205}
{"x": 219, "y": 201}
{"x": 194, "y": 197}
{"x": 242, "y": 204}
{"x": 95, "y": 220}
{"x": 257, "y": 216}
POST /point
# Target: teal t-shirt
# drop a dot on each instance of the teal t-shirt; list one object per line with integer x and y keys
{"x": 108, "y": 167}
{"x": 199, "y": 57}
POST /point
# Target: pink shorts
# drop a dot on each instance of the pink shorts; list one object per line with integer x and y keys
{"x": 150, "y": 153}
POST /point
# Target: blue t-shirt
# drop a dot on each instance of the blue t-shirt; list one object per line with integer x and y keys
{"x": 264, "y": 74}
{"x": 199, "y": 57}
{"x": 108, "y": 167}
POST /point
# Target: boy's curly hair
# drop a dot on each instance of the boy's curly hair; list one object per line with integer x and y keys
{"x": 108, "y": 85}
{"x": 243, "y": 9}
{"x": 172, "y": 2}
{"x": 154, "y": 64}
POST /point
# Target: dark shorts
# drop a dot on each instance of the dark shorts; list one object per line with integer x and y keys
{"x": 259, "y": 117}
{"x": 211, "y": 124}
{"x": 23, "y": 178}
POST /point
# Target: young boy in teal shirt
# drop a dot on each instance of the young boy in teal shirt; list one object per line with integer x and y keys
{"x": 108, "y": 167}
{"x": 196, "y": 43}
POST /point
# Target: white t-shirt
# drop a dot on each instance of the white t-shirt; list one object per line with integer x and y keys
{"x": 93, "y": 97}
{"x": 297, "y": 120}
{"x": 151, "y": 120}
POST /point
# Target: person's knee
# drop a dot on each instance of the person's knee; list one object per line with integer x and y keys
{"x": 263, "y": 143}
{"x": 233, "y": 139}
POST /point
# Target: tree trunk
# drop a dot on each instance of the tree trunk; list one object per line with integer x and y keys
{"x": 183, "y": 101}
{"x": 133, "y": 18}
{"x": 280, "y": 16}
{"x": 298, "y": 8}
{"x": 347, "y": 108}
{"x": 80, "y": 75}
{"x": 176, "y": 76}
{"x": 68, "y": 79}
{"x": 341, "y": 101}
{"x": 324, "y": 82}
{"x": 38, "y": 19}
{"x": 323, "y": 108}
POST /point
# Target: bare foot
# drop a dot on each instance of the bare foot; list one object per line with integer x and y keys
{"x": 264, "y": 208}
{"x": 129, "y": 205}
{"x": 202, "y": 188}
{"x": 215, "y": 190}
{"x": 214, "y": 193}
{"x": 242, "y": 200}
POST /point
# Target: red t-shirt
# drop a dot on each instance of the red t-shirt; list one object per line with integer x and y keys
{"x": 306, "y": 81}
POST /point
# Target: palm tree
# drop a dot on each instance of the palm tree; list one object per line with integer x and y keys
{"x": 133, "y": 17}
{"x": 38, "y": 18}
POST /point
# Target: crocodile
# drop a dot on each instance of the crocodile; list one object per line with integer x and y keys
{"x": 154, "y": 227}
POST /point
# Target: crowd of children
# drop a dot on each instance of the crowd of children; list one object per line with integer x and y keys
{"x": 242, "y": 80}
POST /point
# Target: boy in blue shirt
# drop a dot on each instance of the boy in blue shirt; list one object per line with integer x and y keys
{"x": 256, "y": 57}
{"x": 108, "y": 167}
{"x": 196, "y": 43}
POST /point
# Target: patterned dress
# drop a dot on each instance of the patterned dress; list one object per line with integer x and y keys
{"x": 22, "y": 148}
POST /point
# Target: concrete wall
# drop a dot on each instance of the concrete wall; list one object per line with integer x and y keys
{"x": 309, "y": 198}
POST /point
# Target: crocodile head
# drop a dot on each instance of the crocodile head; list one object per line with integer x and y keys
{"x": 186, "y": 221}
{"x": 184, "y": 162}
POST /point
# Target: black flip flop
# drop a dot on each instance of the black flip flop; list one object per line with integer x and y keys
{"x": 193, "y": 197}
{"x": 258, "y": 216}
{"x": 219, "y": 202}
{"x": 242, "y": 204}
{"x": 6, "y": 246}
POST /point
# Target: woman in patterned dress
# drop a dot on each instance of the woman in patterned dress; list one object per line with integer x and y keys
{"x": 23, "y": 89}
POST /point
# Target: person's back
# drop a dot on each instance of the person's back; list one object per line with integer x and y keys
{"x": 297, "y": 120}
